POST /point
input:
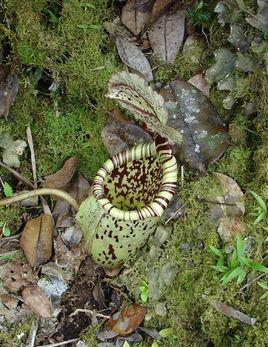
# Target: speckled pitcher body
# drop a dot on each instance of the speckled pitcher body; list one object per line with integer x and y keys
{"x": 130, "y": 193}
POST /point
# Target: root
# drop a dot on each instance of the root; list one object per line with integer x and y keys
{"x": 42, "y": 191}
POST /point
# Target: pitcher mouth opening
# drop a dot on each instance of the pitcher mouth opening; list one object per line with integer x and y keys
{"x": 137, "y": 183}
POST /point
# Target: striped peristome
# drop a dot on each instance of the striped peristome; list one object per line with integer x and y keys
{"x": 160, "y": 149}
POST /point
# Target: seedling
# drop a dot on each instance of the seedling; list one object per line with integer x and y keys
{"x": 8, "y": 191}
{"x": 6, "y": 231}
{"x": 238, "y": 265}
{"x": 197, "y": 14}
{"x": 261, "y": 212}
{"x": 144, "y": 291}
{"x": 264, "y": 285}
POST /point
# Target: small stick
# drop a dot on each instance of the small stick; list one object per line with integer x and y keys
{"x": 33, "y": 161}
{"x": 90, "y": 312}
{"x": 250, "y": 283}
{"x": 17, "y": 175}
{"x": 216, "y": 202}
{"x": 176, "y": 212}
{"x": 60, "y": 343}
{"x": 32, "y": 334}
{"x": 182, "y": 175}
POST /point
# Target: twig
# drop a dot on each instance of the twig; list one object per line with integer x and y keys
{"x": 60, "y": 343}
{"x": 176, "y": 212}
{"x": 250, "y": 283}
{"x": 216, "y": 202}
{"x": 32, "y": 334}
{"x": 90, "y": 312}
{"x": 17, "y": 175}
{"x": 33, "y": 161}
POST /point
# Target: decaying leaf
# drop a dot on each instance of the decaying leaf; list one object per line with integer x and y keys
{"x": 166, "y": 35}
{"x": 225, "y": 64}
{"x": 159, "y": 7}
{"x": 204, "y": 135}
{"x": 37, "y": 301}
{"x": 12, "y": 149}
{"x": 136, "y": 15}
{"x": 238, "y": 39}
{"x": 230, "y": 208}
{"x": 231, "y": 312}
{"x": 16, "y": 276}
{"x": 118, "y": 136}
{"x": 199, "y": 82}
{"x": 61, "y": 178}
{"x": 246, "y": 62}
{"x": 224, "y": 15}
{"x": 127, "y": 320}
{"x": 8, "y": 90}
{"x": 132, "y": 93}
{"x": 36, "y": 240}
{"x": 133, "y": 57}
{"x": 260, "y": 20}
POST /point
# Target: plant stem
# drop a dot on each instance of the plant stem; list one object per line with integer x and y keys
{"x": 42, "y": 191}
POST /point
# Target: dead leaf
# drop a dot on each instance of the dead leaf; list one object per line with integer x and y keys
{"x": 133, "y": 57}
{"x": 229, "y": 209}
{"x": 79, "y": 187}
{"x": 61, "y": 178}
{"x": 117, "y": 115}
{"x": 17, "y": 276}
{"x": 166, "y": 35}
{"x": 231, "y": 312}
{"x": 36, "y": 240}
{"x": 8, "y": 90}
{"x": 136, "y": 15}
{"x": 127, "y": 320}
{"x": 260, "y": 20}
{"x": 225, "y": 64}
{"x": 199, "y": 82}
{"x": 37, "y": 301}
{"x": 205, "y": 136}
{"x": 159, "y": 7}
{"x": 120, "y": 136}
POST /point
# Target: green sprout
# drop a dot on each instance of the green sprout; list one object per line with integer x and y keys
{"x": 144, "y": 291}
{"x": 238, "y": 265}
{"x": 261, "y": 212}
{"x": 8, "y": 191}
{"x": 197, "y": 15}
{"x": 264, "y": 285}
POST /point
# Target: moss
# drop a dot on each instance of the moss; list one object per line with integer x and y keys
{"x": 89, "y": 336}
{"x": 15, "y": 334}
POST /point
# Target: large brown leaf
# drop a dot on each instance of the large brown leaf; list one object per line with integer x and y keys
{"x": 36, "y": 240}
{"x": 133, "y": 57}
{"x": 205, "y": 137}
{"x": 61, "y": 178}
{"x": 37, "y": 301}
{"x": 136, "y": 15}
{"x": 118, "y": 136}
{"x": 166, "y": 35}
{"x": 127, "y": 320}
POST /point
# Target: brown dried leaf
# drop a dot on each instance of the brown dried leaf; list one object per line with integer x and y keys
{"x": 117, "y": 115}
{"x": 136, "y": 15}
{"x": 127, "y": 320}
{"x": 8, "y": 90}
{"x": 79, "y": 187}
{"x": 160, "y": 6}
{"x": 166, "y": 35}
{"x": 119, "y": 136}
{"x": 133, "y": 57}
{"x": 17, "y": 276}
{"x": 61, "y": 178}
{"x": 36, "y": 240}
{"x": 37, "y": 301}
{"x": 199, "y": 82}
